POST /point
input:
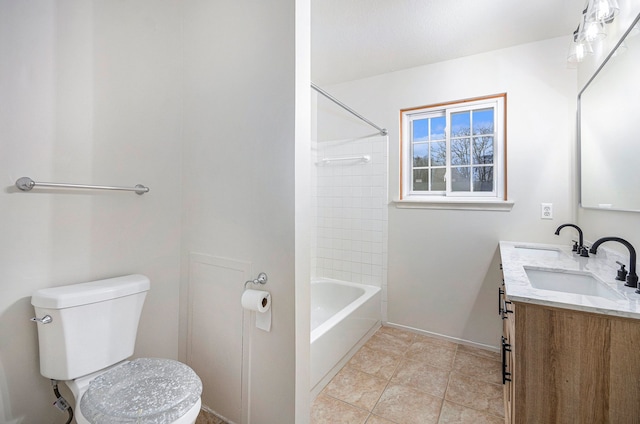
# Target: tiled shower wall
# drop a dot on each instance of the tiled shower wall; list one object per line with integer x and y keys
{"x": 350, "y": 204}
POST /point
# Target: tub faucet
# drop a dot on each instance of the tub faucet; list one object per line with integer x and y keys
{"x": 579, "y": 247}
{"x": 632, "y": 278}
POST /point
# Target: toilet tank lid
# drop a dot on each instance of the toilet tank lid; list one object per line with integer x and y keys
{"x": 94, "y": 291}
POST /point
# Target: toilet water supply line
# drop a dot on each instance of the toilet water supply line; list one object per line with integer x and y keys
{"x": 61, "y": 403}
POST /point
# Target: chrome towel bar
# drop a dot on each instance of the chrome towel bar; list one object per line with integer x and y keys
{"x": 26, "y": 184}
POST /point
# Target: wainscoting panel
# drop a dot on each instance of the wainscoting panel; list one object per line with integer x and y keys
{"x": 215, "y": 333}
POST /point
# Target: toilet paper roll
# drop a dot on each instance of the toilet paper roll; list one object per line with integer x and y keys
{"x": 258, "y": 301}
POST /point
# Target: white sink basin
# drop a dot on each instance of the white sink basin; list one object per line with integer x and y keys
{"x": 570, "y": 282}
{"x": 543, "y": 252}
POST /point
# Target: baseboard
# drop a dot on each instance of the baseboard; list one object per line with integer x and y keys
{"x": 210, "y": 411}
{"x": 443, "y": 337}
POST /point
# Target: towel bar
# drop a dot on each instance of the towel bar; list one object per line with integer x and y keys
{"x": 26, "y": 184}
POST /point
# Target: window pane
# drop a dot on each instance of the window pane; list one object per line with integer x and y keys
{"x": 461, "y": 179}
{"x": 438, "y": 153}
{"x": 421, "y": 154}
{"x": 460, "y": 124}
{"x": 483, "y": 121}
{"x": 482, "y": 150}
{"x": 437, "y": 128}
{"x": 455, "y": 149}
{"x": 420, "y": 129}
{"x": 420, "y": 179}
{"x": 437, "y": 179}
{"x": 483, "y": 178}
{"x": 460, "y": 152}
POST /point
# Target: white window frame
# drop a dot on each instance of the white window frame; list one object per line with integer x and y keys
{"x": 407, "y": 116}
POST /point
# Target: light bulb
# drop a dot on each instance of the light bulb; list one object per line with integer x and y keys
{"x": 579, "y": 52}
{"x": 594, "y": 31}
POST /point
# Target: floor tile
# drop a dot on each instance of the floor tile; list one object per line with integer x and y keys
{"x": 457, "y": 414}
{"x": 375, "y": 362}
{"x": 436, "y": 341}
{"x": 205, "y": 417}
{"x": 489, "y": 354}
{"x": 388, "y": 343}
{"x": 476, "y": 366}
{"x": 326, "y": 409}
{"x": 405, "y": 405}
{"x": 476, "y": 394}
{"x": 407, "y": 378}
{"x": 432, "y": 352}
{"x": 374, "y": 419}
{"x": 423, "y": 377}
{"x": 356, "y": 388}
{"x": 404, "y": 335}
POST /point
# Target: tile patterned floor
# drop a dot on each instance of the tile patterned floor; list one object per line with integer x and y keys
{"x": 205, "y": 417}
{"x": 399, "y": 377}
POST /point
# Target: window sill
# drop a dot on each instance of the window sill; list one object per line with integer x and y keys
{"x": 456, "y": 204}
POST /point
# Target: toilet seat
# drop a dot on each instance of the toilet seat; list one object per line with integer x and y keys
{"x": 144, "y": 390}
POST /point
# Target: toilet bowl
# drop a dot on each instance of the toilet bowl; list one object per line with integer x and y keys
{"x": 86, "y": 334}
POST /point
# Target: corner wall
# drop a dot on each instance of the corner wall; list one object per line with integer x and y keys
{"x": 239, "y": 190}
{"x": 443, "y": 264}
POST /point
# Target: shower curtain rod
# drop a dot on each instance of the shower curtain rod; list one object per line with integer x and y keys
{"x": 383, "y": 131}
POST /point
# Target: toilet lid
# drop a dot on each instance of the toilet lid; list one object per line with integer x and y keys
{"x": 145, "y": 390}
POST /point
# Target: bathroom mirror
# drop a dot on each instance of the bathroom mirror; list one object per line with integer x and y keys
{"x": 608, "y": 118}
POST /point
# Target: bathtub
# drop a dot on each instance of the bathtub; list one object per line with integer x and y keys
{"x": 342, "y": 314}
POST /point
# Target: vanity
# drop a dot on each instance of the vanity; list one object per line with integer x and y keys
{"x": 571, "y": 331}
{"x": 571, "y": 336}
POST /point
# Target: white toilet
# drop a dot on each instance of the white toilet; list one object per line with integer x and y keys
{"x": 86, "y": 332}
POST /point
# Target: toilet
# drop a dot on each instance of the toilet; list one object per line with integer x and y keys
{"x": 86, "y": 335}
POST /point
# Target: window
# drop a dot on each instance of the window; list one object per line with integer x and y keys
{"x": 454, "y": 151}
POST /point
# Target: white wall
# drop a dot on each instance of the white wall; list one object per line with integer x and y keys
{"x": 602, "y": 223}
{"x": 90, "y": 94}
{"x": 443, "y": 265}
{"x": 239, "y": 175}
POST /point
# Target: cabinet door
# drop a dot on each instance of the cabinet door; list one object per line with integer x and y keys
{"x": 562, "y": 373}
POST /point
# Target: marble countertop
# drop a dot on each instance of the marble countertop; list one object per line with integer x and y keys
{"x": 518, "y": 255}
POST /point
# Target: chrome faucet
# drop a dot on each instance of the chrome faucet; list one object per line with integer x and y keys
{"x": 579, "y": 248}
{"x": 632, "y": 278}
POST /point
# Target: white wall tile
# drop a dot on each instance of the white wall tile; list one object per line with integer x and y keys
{"x": 351, "y": 203}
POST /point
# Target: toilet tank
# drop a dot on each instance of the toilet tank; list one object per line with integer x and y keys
{"x": 93, "y": 325}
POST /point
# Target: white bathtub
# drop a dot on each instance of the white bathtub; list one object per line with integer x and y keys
{"x": 342, "y": 314}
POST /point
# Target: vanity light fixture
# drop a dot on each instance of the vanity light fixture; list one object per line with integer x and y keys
{"x": 591, "y": 29}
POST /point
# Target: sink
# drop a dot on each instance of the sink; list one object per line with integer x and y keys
{"x": 544, "y": 252}
{"x": 582, "y": 283}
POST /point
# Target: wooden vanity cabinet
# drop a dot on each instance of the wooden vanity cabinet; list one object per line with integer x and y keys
{"x": 566, "y": 366}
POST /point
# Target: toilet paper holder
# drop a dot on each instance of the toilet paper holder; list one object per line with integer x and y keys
{"x": 262, "y": 279}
